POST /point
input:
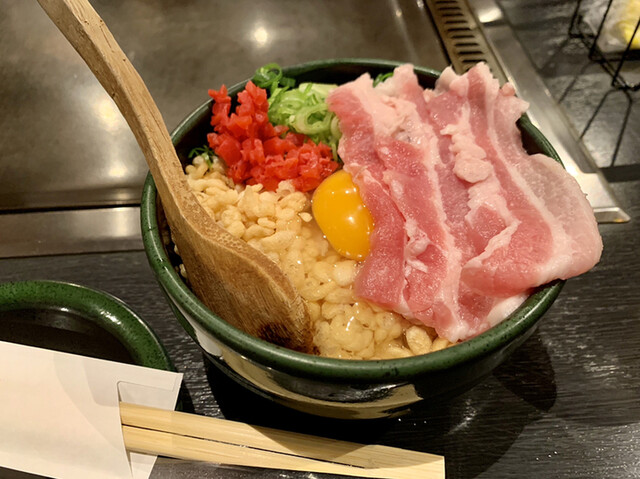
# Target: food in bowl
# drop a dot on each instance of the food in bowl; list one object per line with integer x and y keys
{"x": 462, "y": 224}
{"x": 348, "y": 389}
{"x": 280, "y": 224}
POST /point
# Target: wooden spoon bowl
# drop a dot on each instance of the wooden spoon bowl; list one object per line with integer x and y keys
{"x": 241, "y": 284}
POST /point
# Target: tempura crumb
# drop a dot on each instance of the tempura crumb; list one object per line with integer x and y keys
{"x": 280, "y": 224}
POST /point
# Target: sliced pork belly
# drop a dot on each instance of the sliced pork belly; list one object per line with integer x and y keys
{"x": 468, "y": 310}
{"x": 526, "y": 216}
{"x": 549, "y": 228}
{"x": 384, "y": 133}
{"x": 369, "y": 122}
{"x": 466, "y": 223}
{"x": 381, "y": 276}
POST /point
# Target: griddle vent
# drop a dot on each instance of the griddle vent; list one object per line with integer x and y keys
{"x": 462, "y": 38}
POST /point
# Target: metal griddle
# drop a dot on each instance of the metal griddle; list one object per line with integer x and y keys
{"x": 71, "y": 172}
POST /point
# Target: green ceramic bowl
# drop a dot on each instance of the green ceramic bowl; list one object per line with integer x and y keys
{"x": 322, "y": 386}
{"x": 75, "y": 319}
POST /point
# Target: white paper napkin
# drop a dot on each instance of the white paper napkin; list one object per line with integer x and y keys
{"x": 60, "y": 415}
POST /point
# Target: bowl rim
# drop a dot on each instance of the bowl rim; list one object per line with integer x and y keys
{"x": 99, "y": 307}
{"x": 307, "y": 365}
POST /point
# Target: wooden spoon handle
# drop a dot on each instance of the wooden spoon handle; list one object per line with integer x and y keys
{"x": 241, "y": 284}
{"x": 89, "y": 35}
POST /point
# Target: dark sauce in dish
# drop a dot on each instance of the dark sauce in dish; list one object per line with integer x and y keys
{"x": 61, "y": 330}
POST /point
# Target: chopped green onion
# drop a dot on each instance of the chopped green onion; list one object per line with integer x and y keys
{"x": 382, "y": 77}
{"x": 303, "y": 109}
{"x": 270, "y": 77}
{"x": 205, "y": 152}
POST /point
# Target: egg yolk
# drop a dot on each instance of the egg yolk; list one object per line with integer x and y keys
{"x": 342, "y": 216}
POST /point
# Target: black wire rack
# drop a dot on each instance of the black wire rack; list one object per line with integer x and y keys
{"x": 612, "y": 63}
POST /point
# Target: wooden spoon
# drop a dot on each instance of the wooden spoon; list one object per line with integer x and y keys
{"x": 233, "y": 279}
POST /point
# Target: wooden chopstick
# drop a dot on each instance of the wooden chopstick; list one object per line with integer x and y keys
{"x": 185, "y": 447}
{"x": 189, "y": 436}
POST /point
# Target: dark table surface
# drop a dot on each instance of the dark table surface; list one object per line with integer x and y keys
{"x": 565, "y": 405}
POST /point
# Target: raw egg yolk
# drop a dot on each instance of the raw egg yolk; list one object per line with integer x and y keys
{"x": 342, "y": 216}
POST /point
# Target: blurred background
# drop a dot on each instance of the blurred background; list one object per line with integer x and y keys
{"x": 66, "y": 148}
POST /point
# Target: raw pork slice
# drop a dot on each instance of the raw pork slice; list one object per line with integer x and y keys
{"x": 392, "y": 155}
{"x": 550, "y": 231}
{"x": 381, "y": 276}
{"x": 466, "y": 223}
{"x": 457, "y": 310}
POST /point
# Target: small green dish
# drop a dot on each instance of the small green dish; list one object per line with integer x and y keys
{"x": 332, "y": 387}
{"x": 74, "y": 319}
